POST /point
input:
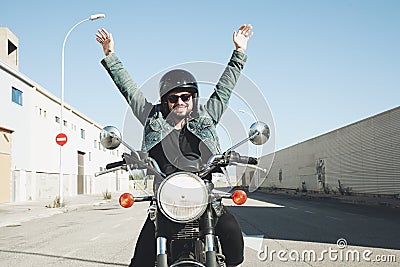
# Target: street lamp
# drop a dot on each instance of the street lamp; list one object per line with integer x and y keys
{"x": 61, "y": 182}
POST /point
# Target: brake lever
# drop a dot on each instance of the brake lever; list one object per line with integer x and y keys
{"x": 123, "y": 167}
{"x": 249, "y": 166}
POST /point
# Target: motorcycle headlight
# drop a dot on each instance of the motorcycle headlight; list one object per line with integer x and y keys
{"x": 182, "y": 197}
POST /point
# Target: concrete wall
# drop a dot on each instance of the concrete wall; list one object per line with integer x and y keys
{"x": 364, "y": 157}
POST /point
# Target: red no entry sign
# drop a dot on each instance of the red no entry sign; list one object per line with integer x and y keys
{"x": 61, "y": 139}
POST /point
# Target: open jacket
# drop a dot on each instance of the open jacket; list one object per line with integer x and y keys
{"x": 156, "y": 127}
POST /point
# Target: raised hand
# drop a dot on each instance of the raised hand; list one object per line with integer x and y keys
{"x": 242, "y": 36}
{"x": 106, "y": 40}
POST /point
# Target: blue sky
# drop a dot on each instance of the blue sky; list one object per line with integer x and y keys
{"x": 320, "y": 64}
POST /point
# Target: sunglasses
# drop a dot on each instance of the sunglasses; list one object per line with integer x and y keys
{"x": 175, "y": 98}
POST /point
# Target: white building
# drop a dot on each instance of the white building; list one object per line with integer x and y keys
{"x": 29, "y": 155}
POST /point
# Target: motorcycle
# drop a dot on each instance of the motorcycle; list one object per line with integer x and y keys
{"x": 185, "y": 206}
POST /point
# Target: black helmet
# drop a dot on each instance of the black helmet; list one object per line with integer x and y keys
{"x": 175, "y": 79}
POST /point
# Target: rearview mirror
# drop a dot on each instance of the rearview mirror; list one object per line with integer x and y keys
{"x": 259, "y": 133}
{"x": 110, "y": 137}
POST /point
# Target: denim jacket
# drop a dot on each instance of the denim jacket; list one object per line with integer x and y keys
{"x": 156, "y": 127}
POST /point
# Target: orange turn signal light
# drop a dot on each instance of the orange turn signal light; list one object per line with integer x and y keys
{"x": 239, "y": 197}
{"x": 126, "y": 200}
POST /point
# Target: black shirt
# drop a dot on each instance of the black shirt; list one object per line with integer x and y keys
{"x": 181, "y": 150}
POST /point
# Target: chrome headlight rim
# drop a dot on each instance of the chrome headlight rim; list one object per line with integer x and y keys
{"x": 202, "y": 206}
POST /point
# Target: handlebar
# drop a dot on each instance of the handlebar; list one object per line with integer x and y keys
{"x": 222, "y": 160}
{"x": 115, "y": 164}
{"x": 228, "y": 158}
{"x": 96, "y": 174}
{"x": 235, "y": 157}
{"x": 247, "y": 160}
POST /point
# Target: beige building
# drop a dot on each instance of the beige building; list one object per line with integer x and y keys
{"x": 5, "y": 163}
{"x": 363, "y": 158}
{"x": 9, "y": 48}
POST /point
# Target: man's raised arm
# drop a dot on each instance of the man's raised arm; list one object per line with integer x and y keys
{"x": 126, "y": 85}
{"x": 218, "y": 101}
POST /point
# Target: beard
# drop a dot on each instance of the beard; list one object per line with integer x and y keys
{"x": 180, "y": 112}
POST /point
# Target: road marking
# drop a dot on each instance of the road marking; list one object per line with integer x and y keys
{"x": 97, "y": 237}
{"x": 309, "y": 211}
{"x": 293, "y": 208}
{"x": 116, "y": 226}
{"x": 252, "y": 203}
{"x": 334, "y": 218}
{"x": 253, "y": 241}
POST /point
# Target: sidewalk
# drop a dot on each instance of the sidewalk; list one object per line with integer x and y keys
{"x": 15, "y": 213}
{"x": 353, "y": 199}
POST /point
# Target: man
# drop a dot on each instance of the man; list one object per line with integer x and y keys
{"x": 179, "y": 132}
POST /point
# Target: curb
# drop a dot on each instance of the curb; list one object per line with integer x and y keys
{"x": 368, "y": 201}
{"x": 75, "y": 207}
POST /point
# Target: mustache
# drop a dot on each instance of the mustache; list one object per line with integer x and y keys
{"x": 180, "y": 106}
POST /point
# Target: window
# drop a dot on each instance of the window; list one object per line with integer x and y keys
{"x": 82, "y": 134}
{"x": 41, "y": 112}
{"x": 65, "y": 123}
{"x": 11, "y": 47}
{"x": 95, "y": 143}
{"x": 16, "y": 96}
{"x": 57, "y": 119}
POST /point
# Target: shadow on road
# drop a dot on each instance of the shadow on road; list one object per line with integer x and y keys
{"x": 63, "y": 257}
{"x": 318, "y": 221}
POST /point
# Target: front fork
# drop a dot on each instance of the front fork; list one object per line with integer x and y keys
{"x": 162, "y": 259}
{"x": 207, "y": 223}
{"x": 161, "y": 252}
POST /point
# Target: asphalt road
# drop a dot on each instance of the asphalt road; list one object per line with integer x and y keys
{"x": 295, "y": 225}
{"x": 278, "y": 232}
{"x": 313, "y": 220}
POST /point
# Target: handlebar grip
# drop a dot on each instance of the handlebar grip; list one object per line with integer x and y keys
{"x": 253, "y": 161}
{"x": 236, "y": 157}
{"x": 115, "y": 164}
{"x": 248, "y": 160}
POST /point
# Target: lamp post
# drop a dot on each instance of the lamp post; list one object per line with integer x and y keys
{"x": 61, "y": 182}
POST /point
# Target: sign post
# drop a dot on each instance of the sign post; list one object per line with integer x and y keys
{"x": 61, "y": 139}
